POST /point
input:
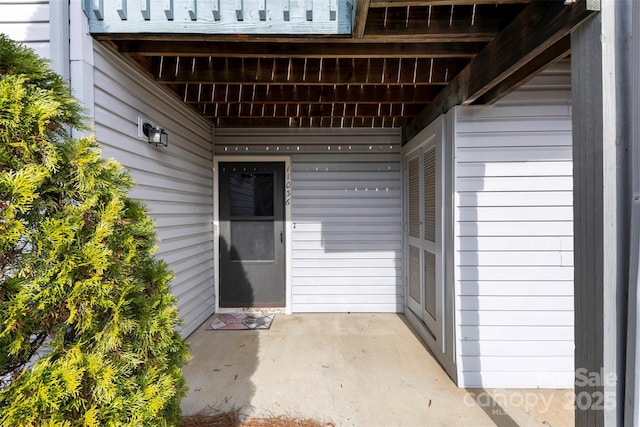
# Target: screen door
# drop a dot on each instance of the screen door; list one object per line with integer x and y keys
{"x": 251, "y": 206}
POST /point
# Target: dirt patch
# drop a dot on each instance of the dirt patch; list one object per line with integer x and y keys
{"x": 234, "y": 418}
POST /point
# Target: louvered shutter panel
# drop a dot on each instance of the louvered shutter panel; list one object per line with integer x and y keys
{"x": 430, "y": 283}
{"x": 414, "y": 273}
{"x": 414, "y": 197}
{"x": 430, "y": 194}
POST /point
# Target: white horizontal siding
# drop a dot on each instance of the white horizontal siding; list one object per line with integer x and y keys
{"x": 510, "y": 333}
{"x": 524, "y": 287}
{"x": 346, "y": 239}
{"x": 553, "y": 85}
{"x": 176, "y": 182}
{"x": 27, "y": 22}
{"x": 513, "y": 238}
{"x": 522, "y": 378}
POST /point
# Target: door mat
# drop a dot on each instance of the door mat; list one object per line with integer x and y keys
{"x": 241, "y": 321}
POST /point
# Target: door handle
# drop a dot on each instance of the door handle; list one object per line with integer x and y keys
{"x": 281, "y": 237}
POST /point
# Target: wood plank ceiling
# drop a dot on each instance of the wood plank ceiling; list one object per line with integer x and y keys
{"x": 401, "y": 56}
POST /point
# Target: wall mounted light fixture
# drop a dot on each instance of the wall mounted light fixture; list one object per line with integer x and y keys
{"x": 152, "y": 132}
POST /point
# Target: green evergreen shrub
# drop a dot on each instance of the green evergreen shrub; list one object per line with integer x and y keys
{"x": 87, "y": 320}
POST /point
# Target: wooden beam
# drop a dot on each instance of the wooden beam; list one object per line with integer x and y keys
{"x": 411, "y": 3}
{"x": 535, "y": 29}
{"x": 556, "y": 52}
{"x": 298, "y": 49}
{"x": 360, "y": 20}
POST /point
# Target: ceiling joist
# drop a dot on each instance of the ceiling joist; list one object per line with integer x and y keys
{"x": 308, "y": 122}
{"x": 308, "y": 71}
{"x": 406, "y": 59}
{"x": 335, "y": 111}
{"x": 279, "y": 94}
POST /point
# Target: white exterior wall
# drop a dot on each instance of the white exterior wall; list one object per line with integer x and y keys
{"x": 175, "y": 182}
{"x": 27, "y": 21}
{"x": 513, "y": 238}
{"x": 346, "y": 214}
{"x": 347, "y": 233}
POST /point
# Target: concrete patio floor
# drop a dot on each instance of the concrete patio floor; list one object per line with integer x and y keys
{"x": 352, "y": 370}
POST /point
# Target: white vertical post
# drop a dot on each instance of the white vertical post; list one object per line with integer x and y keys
{"x": 309, "y": 10}
{"x": 216, "y": 9}
{"x": 81, "y": 61}
{"x": 98, "y": 8}
{"x": 168, "y": 9}
{"x": 599, "y": 59}
{"x": 263, "y": 10}
{"x": 333, "y": 9}
{"x": 632, "y": 389}
{"x": 192, "y": 9}
{"x": 59, "y": 37}
{"x": 121, "y": 8}
{"x": 239, "y": 11}
{"x": 145, "y": 9}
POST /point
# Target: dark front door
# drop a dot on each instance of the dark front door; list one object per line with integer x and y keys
{"x": 252, "y": 270}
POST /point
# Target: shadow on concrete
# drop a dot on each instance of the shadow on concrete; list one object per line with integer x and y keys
{"x": 223, "y": 361}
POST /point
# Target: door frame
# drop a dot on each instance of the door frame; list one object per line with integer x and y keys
{"x": 287, "y": 229}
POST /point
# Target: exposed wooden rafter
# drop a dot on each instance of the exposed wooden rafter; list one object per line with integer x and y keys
{"x": 405, "y": 59}
{"x": 335, "y": 111}
{"x": 286, "y": 94}
{"x": 307, "y": 71}
{"x": 533, "y": 32}
{"x": 323, "y": 122}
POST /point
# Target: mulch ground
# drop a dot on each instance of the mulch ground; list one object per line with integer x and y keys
{"x": 235, "y": 419}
